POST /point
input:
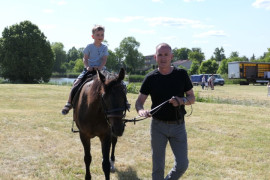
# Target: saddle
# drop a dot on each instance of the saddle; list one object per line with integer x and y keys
{"x": 77, "y": 89}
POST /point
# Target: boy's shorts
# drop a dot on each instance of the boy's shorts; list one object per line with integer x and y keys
{"x": 82, "y": 73}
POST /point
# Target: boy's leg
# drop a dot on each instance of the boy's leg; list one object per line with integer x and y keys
{"x": 68, "y": 105}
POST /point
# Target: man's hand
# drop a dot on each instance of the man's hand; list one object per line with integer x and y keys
{"x": 144, "y": 113}
{"x": 176, "y": 101}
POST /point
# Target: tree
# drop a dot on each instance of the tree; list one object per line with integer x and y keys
{"x": 234, "y": 54}
{"x": 196, "y": 54}
{"x": 129, "y": 54}
{"x": 78, "y": 67}
{"x": 266, "y": 56}
{"x": 219, "y": 54}
{"x": 26, "y": 55}
{"x": 194, "y": 68}
{"x": 253, "y": 58}
{"x": 208, "y": 67}
{"x": 73, "y": 54}
{"x": 223, "y": 67}
{"x": 112, "y": 62}
{"x": 180, "y": 54}
{"x": 60, "y": 57}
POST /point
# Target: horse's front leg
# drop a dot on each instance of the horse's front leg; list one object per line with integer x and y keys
{"x": 114, "y": 141}
{"x": 106, "y": 145}
{"x": 87, "y": 155}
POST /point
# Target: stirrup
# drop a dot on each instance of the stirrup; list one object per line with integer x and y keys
{"x": 66, "y": 108}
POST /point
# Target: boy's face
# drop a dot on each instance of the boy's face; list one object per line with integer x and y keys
{"x": 98, "y": 36}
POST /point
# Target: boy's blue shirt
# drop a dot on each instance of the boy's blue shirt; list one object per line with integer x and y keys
{"x": 95, "y": 54}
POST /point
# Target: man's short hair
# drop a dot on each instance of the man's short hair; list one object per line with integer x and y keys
{"x": 163, "y": 45}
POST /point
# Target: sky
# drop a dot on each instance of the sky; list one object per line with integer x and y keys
{"x": 235, "y": 25}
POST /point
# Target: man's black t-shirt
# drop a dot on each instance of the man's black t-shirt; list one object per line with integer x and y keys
{"x": 162, "y": 87}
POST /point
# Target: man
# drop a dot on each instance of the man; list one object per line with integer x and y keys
{"x": 172, "y": 84}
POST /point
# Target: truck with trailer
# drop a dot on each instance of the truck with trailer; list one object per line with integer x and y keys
{"x": 251, "y": 72}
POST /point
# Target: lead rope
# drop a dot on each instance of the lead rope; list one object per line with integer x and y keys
{"x": 134, "y": 120}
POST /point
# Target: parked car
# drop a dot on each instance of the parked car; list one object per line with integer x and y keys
{"x": 196, "y": 79}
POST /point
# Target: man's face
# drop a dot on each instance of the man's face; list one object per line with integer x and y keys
{"x": 164, "y": 57}
{"x": 98, "y": 36}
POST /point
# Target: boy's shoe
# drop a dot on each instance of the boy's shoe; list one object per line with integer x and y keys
{"x": 66, "y": 108}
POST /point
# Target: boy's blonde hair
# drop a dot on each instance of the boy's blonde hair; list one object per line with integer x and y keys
{"x": 98, "y": 28}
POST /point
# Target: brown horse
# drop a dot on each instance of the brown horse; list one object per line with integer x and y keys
{"x": 100, "y": 107}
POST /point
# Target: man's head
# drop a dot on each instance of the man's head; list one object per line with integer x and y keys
{"x": 163, "y": 45}
{"x": 164, "y": 55}
{"x": 98, "y": 33}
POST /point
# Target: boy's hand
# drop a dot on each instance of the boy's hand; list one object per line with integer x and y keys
{"x": 89, "y": 68}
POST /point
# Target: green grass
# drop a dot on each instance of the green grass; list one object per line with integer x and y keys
{"x": 228, "y": 137}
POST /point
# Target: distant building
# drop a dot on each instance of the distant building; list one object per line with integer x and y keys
{"x": 184, "y": 63}
{"x": 150, "y": 61}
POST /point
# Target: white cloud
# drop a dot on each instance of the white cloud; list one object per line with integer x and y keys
{"x": 59, "y": 2}
{"x": 125, "y": 19}
{"x": 200, "y": 42}
{"x": 163, "y": 21}
{"x": 48, "y": 11}
{"x": 211, "y": 33}
{"x": 159, "y": 1}
{"x": 48, "y": 26}
{"x": 262, "y": 4}
{"x": 168, "y": 38}
{"x": 176, "y": 22}
{"x": 142, "y": 31}
{"x": 193, "y": 0}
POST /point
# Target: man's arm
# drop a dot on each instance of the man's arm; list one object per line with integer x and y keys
{"x": 139, "y": 105}
{"x": 190, "y": 99}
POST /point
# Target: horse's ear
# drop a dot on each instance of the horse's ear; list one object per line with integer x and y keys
{"x": 121, "y": 75}
{"x": 101, "y": 77}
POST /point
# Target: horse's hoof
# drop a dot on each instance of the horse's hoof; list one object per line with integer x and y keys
{"x": 112, "y": 167}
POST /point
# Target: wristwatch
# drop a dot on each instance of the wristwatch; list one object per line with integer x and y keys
{"x": 184, "y": 100}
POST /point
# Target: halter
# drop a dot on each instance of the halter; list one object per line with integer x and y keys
{"x": 109, "y": 113}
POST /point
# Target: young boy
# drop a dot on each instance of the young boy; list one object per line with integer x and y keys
{"x": 95, "y": 57}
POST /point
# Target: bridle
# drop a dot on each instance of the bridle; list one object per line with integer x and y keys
{"x": 112, "y": 113}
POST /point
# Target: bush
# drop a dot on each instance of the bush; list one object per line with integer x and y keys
{"x": 136, "y": 78}
{"x": 132, "y": 88}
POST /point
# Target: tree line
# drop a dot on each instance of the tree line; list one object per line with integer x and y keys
{"x": 27, "y": 56}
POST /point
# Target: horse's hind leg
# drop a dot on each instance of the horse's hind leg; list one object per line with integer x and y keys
{"x": 106, "y": 145}
{"x": 87, "y": 155}
{"x": 114, "y": 141}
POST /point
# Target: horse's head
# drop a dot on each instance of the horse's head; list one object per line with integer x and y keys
{"x": 114, "y": 101}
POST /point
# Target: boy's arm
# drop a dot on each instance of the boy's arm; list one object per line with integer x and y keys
{"x": 103, "y": 62}
{"x": 85, "y": 62}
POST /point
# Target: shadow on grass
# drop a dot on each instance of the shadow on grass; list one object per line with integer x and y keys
{"x": 129, "y": 174}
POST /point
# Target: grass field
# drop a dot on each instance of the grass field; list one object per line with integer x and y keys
{"x": 228, "y": 137}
